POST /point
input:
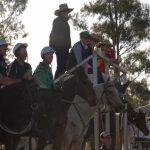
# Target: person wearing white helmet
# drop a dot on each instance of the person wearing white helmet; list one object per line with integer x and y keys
{"x": 3, "y": 65}
{"x": 43, "y": 72}
{"x": 20, "y": 70}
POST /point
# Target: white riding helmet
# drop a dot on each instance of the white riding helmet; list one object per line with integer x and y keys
{"x": 46, "y": 50}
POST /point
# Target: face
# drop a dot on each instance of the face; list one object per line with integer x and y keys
{"x": 93, "y": 42}
{"x": 65, "y": 13}
{"x": 3, "y": 49}
{"x": 86, "y": 40}
{"x": 47, "y": 58}
{"x": 106, "y": 47}
{"x": 22, "y": 53}
{"x": 106, "y": 140}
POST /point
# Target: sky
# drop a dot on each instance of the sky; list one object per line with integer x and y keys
{"x": 38, "y": 18}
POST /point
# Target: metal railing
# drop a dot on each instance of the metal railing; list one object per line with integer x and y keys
{"x": 96, "y": 116}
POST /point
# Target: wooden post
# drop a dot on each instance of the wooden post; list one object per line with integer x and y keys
{"x": 117, "y": 116}
{"x": 125, "y": 146}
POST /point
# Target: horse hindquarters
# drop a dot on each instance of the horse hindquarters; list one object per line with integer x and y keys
{"x": 77, "y": 145}
{"x": 71, "y": 139}
{"x": 66, "y": 144}
{"x": 66, "y": 138}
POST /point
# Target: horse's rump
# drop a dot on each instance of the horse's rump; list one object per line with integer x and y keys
{"x": 15, "y": 106}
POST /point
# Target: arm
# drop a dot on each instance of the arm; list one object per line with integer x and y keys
{"x": 3, "y": 80}
{"x": 12, "y": 74}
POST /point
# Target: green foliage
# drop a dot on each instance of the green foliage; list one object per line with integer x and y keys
{"x": 138, "y": 93}
{"x": 78, "y": 25}
{"x": 126, "y": 23}
{"x": 10, "y": 25}
{"x": 137, "y": 61}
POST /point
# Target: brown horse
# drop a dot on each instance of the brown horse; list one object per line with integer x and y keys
{"x": 41, "y": 111}
{"x": 74, "y": 84}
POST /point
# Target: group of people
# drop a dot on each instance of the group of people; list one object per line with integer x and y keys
{"x": 59, "y": 43}
{"x": 20, "y": 70}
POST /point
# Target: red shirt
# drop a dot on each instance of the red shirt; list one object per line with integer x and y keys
{"x": 110, "y": 53}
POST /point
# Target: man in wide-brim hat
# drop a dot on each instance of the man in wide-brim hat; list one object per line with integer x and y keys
{"x": 60, "y": 37}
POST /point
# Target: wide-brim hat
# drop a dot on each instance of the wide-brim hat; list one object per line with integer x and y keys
{"x": 107, "y": 42}
{"x": 103, "y": 43}
{"x": 62, "y": 8}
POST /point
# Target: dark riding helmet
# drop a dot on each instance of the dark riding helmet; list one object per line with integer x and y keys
{"x": 85, "y": 34}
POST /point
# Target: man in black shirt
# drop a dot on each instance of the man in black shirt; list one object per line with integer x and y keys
{"x": 19, "y": 69}
{"x": 60, "y": 39}
{"x": 3, "y": 49}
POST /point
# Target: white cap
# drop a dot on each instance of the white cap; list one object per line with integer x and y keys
{"x": 18, "y": 45}
{"x": 3, "y": 42}
{"x": 104, "y": 134}
{"x": 46, "y": 50}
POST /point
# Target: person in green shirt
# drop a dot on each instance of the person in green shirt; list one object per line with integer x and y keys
{"x": 43, "y": 72}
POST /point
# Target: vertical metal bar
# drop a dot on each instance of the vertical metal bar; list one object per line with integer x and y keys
{"x": 117, "y": 116}
{"x": 107, "y": 121}
{"x": 95, "y": 66}
{"x": 107, "y": 115}
{"x": 96, "y": 115}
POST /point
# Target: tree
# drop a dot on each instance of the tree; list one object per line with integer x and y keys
{"x": 127, "y": 24}
{"x": 10, "y": 25}
{"x": 137, "y": 64}
{"x": 138, "y": 93}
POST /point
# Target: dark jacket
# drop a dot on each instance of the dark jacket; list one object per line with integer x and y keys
{"x": 77, "y": 54}
{"x": 17, "y": 71}
{"x": 2, "y": 66}
{"x": 44, "y": 76}
{"x": 60, "y": 34}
